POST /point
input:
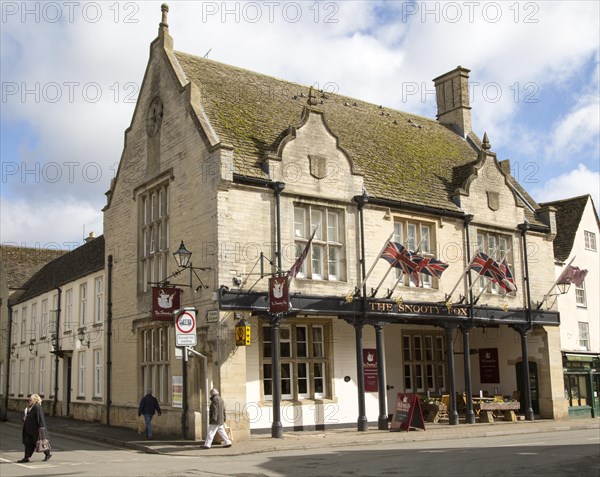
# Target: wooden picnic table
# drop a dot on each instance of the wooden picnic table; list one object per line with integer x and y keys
{"x": 486, "y": 409}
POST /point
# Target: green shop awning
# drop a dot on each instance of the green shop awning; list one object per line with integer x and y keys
{"x": 587, "y": 358}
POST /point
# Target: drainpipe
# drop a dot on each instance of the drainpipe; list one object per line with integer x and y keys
{"x": 8, "y": 361}
{"x": 108, "y": 335}
{"x": 56, "y": 353}
{"x": 469, "y": 414}
{"x": 526, "y": 382}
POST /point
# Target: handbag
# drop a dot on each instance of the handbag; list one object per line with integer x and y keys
{"x": 42, "y": 444}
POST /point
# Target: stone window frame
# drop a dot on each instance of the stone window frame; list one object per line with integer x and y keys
{"x": 154, "y": 233}
{"x": 322, "y": 241}
{"x": 412, "y": 241}
{"x": 155, "y": 364}
{"x": 494, "y": 244}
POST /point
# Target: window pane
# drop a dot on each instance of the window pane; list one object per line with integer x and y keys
{"x": 334, "y": 263}
{"x": 286, "y": 380}
{"x": 317, "y": 261}
{"x": 319, "y": 381}
{"x": 318, "y": 348}
{"x": 302, "y": 378}
{"x": 316, "y": 218}
{"x": 411, "y": 241}
{"x": 332, "y": 227}
{"x": 301, "y": 342}
{"x": 299, "y": 223}
{"x": 266, "y": 341}
{"x": 407, "y": 349}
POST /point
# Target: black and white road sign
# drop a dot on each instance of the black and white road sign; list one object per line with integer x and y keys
{"x": 185, "y": 327}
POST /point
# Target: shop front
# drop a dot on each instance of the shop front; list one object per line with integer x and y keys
{"x": 582, "y": 383}
{"x": 393, "y": 346}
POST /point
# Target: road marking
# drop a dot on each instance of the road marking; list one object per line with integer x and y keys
{"x": 528, "y": 453}
{"x": 433, "y": 451}
{"x": 523, "y": 444}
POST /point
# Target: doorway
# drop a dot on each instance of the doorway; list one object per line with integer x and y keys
{"x": 533, "y": 385}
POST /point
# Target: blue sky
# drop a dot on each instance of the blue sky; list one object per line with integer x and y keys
{"x": 71, "y": 71}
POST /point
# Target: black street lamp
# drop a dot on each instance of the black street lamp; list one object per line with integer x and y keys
{"x": 182, "y": 256}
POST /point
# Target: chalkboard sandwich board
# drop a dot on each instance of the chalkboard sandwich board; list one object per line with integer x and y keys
{"x": 407, "y": 413}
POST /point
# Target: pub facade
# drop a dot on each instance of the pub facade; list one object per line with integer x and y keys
{"x": 246, "y": 171}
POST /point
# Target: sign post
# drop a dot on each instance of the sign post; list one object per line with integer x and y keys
{"x": 185, "y": 336}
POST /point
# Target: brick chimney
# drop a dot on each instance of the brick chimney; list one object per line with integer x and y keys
{"x": 452, "y": 95}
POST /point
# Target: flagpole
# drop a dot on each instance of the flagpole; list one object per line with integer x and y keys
{"x": 547, "y": 295}
{"x": 384, "y": 277}
{"x": 463, "y": 274}
{"x": 375, "y": 262}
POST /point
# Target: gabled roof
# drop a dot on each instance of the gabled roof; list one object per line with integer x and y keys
{"x": 20, "y": 263}
{"x": 403, "y": 157}
{"x": 568, "y": 217}
{"x": 88, "y": 258}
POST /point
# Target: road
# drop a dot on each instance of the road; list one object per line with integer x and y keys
{"x": 552, "y": 454}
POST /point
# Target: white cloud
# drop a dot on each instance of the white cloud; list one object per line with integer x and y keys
{"x": 53, "y": 224}
{"x": 370, "y": 50}
{"x": 579, "y": 181}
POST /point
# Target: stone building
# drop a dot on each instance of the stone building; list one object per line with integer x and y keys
{"x": 56, "y": 334}
{"x": 242, "y": 168}
{"x": 576, "y": 244}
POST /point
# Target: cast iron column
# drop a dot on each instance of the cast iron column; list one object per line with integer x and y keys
{"x": 382, "y": 420}
{"x": 452, "y": 413}
{"x": 276, "y": 427}
{"x": 361, "y": 200}
{"x": 469, "y": 414}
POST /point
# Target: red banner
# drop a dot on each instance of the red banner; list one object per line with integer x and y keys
{"x": 370, "y": 370}
{"x": 164, "y": 302}
{"x": 279, "y": 301}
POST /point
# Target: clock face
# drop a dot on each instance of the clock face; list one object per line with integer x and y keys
{"x": 154, "y": 117}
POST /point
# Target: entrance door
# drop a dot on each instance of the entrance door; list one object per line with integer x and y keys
{"x": 533, "y": 385}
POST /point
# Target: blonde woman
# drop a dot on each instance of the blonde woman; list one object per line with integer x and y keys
{"x": 34, "y": 420}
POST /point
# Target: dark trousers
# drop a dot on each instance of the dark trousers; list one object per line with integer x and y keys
{"x": 30, "y": 449}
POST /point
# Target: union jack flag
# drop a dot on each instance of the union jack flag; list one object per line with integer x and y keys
{"x": 400, "y": 257}
{"x": 487, "y": 267}
{"x": 430, "y": 266}
{"x": 509, "y": 276}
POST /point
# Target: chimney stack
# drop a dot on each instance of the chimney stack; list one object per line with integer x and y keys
{"x": 452, "y": 95}
{"x": 90, "y": 237}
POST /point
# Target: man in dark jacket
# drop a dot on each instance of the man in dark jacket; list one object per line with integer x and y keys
{"x": 216, "y": 421}
{"x": 148, "y": 406}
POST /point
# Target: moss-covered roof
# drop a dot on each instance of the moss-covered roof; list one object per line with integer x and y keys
{"x": 403, "y": 157}
{"x": 20, "y": 263}
{"x": 82, "y": 261}
{"x": 568, "y": 217}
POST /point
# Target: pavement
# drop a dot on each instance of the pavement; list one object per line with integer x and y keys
{"x": 302, "y": 440}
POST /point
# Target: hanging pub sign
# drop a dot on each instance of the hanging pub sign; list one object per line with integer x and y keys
{"x": 164, "y": 302}
{"x": 242, "y": 334}
{"x": 279, "y": 301}
{"x": 407, "y": 413}
{"x": 370, "y": 370}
